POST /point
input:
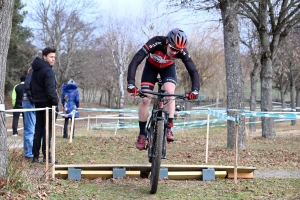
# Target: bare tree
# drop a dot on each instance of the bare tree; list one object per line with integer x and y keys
{"x": 6, "y": 12}
{"x": 118, "y": 41}
{"x": 60, "y": 24}
{"x": 281, "y": 80}
{"x": 234, "y": 76}
{"x": 207, "y": 51}
{"x": 251, "y": 41}
{"x": 273, "y": 21}
{"x": 153, "y": 21}
{"x": 288, "y": 59}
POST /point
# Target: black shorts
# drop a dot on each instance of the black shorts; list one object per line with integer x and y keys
{"x": 150, "y": 72}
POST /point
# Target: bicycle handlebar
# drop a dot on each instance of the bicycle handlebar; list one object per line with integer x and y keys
{"x": 143, "y": 94}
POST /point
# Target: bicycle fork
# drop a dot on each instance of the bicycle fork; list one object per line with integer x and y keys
{"x": 157, "y": 114}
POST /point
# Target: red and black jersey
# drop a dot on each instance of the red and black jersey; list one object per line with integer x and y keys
{"x": 156, "y": 52}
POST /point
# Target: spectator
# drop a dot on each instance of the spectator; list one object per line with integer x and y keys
{"x": 29, "y": 117}
{"x": 70, "y": 102}
{"x": 43, "y": 88}
{"x": 17, "y": 95}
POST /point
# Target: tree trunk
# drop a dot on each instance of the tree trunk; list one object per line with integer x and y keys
{"x": 266, "y": 74}
{"x": 109, "y": 93}
{"x": 234, "y": 75}
{"x": 121, "y": 114}
{"x": 293, "y": 96}
{"x": 297, "y": 99}
{"x": 6, "y": 12}
{"x": 282, "y": 96}
{"x": 254, "y": 80}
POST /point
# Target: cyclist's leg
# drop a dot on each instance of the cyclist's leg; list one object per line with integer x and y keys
{"x": 169, "y": 77}
{"x": 147, "y": 83}
{"x": 170, "y": 89}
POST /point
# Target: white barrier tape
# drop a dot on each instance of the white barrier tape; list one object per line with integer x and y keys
{"x": 111, "y": 110}
{"x": 136, "y": 111}
{"x": 117, "y": 117}
{"x": 2, "y": 107}
{"x": 25, "y": 110}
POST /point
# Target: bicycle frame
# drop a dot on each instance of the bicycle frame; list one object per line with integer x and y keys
{"x": 158, "y": 113}
{"x": 157, "y": 128}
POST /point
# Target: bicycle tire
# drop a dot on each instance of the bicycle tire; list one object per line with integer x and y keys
{"x": 156, "y": 161}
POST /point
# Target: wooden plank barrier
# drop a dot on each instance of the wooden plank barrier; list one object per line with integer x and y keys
{"x": 175, "y": 172}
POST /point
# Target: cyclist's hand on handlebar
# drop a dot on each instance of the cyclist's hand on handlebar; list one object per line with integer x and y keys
{"x": 193, "y": 95}
{"x": 131, "y": 88}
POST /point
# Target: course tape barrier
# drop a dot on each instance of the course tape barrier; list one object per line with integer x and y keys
{"x": 282, "y": 115}
{"x": 222, "y": 114}
{"x": 2, "y": 107}
{"x": 136, "y": 111}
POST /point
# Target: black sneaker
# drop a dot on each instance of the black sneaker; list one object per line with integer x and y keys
{"x": 50, "y": 160}
{"x": 35, "y": 160}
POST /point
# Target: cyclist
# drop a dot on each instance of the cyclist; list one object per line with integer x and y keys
{"x": 161, "y": 52}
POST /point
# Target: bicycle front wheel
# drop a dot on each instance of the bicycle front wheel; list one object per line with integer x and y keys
{"x": 156, "y": 159}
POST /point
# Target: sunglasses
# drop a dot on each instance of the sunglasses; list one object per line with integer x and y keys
{"x": 173, "y": 49}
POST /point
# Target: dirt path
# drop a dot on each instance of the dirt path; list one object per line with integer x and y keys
{"x": 277, "y": 173}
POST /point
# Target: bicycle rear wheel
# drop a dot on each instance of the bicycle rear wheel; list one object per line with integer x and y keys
{"x": 156, "y": 160}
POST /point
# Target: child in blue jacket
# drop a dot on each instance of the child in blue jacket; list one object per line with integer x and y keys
{"x": 70, "y": 101}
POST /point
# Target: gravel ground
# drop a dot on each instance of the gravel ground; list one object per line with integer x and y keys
{"x": 277, "y": 173}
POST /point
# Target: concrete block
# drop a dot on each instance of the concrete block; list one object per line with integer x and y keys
{"x": 119, "y": 172}
{"x": 163, "y": 173}
{"x": 74, "y": 173}
{"x": 208, "y": 174}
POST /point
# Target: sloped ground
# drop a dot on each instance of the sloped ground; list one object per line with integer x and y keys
{"x": 276, "y": 160}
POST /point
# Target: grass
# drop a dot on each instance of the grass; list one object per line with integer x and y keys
{"x": 103, "y": 147}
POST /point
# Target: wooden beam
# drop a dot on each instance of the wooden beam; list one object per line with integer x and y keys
{"x": 92, "y": 174}
{"x": 172, "y": 175}
{"x": 147, "y": 167}
{"x": 241, "y": 175}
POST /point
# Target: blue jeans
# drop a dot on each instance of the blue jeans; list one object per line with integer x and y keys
{"x": 29, "y": 125}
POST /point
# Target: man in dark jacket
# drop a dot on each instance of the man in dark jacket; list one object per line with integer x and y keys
{"x": 17, "y": 95}
{"x": 43, "y": 88}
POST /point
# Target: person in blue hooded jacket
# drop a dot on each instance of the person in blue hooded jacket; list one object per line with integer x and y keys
{"x": 70, "y": 101}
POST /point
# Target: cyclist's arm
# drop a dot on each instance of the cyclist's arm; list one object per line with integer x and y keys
{"x": 191, "y": 68}
{"x": 135, "y": 62}
{"x": 150, "y": 46}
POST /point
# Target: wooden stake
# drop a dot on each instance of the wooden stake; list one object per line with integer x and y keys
{"x": 236, "y": 151}
{"x": 100, "y": 129}
{"x": 207, "y": 136}
{"x": 72, "y": 126}
{"x": 47, "y": 143}
{"x": 53, "y": 142}
{"x": 88, "y": 125}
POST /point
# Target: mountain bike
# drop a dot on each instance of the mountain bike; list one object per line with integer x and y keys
{"x": 157, "y": 127}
